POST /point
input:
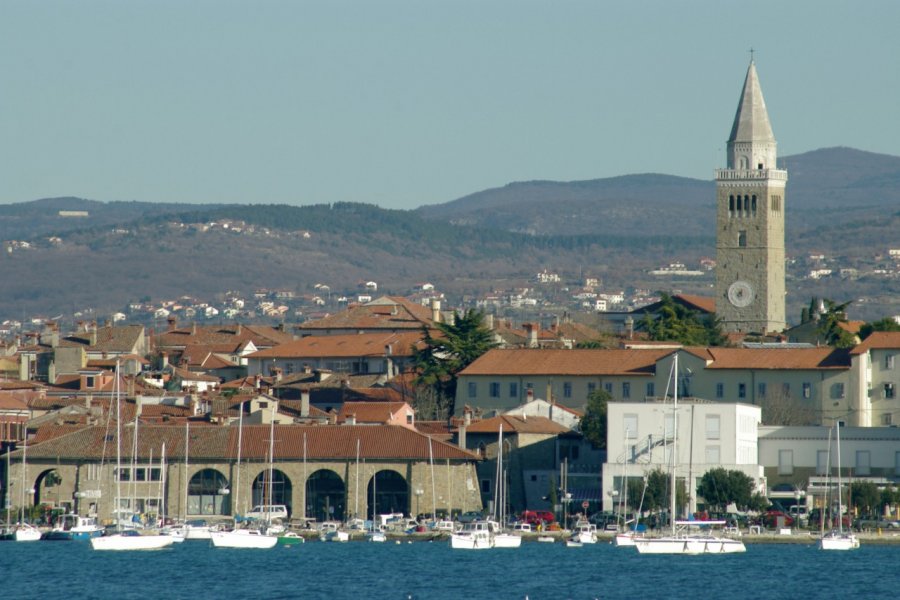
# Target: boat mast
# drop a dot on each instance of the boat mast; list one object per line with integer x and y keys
{"x": 837, "y": 437}
{"x": 271, "y": 463}
{"x": 162, "y": 485}
{"x": 187, "y": 483}
{"x": 237, "y": 490}
{"x": 674, "y": 441}
{"x": 433, "y": 496}
{"x": 356, "y": 495}
{"x": 118, "y": 452}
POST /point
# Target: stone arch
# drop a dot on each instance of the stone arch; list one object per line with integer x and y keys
{"x": 281, "y": 489}
{"x": 388, "y": 493}
{"x": 46, "y": 488}
{"x": 326, "y": 496}
{"x": 208, "y": 493}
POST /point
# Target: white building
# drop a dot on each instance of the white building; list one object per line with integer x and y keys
{"x": 709, "y": 435}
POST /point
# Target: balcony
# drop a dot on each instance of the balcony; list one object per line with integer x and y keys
{"x": 752, "y": 174}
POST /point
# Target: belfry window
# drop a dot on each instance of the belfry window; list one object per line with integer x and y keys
{"x": 753, "y": 205}
{"x": 731, "y": 205}
{"x": 742, "y": 238}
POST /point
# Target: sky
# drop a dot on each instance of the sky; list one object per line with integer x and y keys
{"x": 404, "y": 103}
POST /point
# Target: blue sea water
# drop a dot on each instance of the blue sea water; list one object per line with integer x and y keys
{"x": 432, "y": 570}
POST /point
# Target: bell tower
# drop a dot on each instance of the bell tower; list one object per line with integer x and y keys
{"x": 750, "y": 204}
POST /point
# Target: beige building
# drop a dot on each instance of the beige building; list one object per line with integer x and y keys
{"x": 320, "y": 472}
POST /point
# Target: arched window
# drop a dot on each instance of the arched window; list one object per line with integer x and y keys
{"x": 325, "y": 496}
{"x": 279, "y": 492}
{"x": 731, "y": 205}
{"x": 208, "y": 493}
{"x": 753, "y": 204}
{"x": 391, "y": 494}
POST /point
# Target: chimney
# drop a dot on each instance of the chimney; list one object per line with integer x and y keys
{"x": 193, "y": 329}
{"x": 138, "y": 407}
{"x": 257, "y": 381}
{"x": 531, "y": 331}
{"x": 629, "y": 327}
{"x": 435, "y": 310}
{"x": 307, "y": 369}
{"x": 489, "y": 321}
{"x": 549, "y": 393}
{"x": 173, "y": 323}
{"x": 461, "y": 436}
{"x": 304, "y": 403}
{"x": 238, "y": 330}
{"x": 163, "y": 360}
{"x": 529, "y": 395}
{"x": 351, "y": 419}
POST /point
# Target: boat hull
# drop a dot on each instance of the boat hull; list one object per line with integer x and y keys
{"x": 839, "y": 542}
{"x": 132, "y": 542}
{"x": 507, "y": 540}
{"x": 70, "y": 536}
{"x": 689, "y": 545}
{"x": 462, "y": 541}
{"x": 243, "y": 538}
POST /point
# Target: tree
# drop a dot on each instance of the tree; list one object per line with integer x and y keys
{"x": 454, "y": 347}
{"x": 885, "y": 324}
{"x": 677, "y": 323}
{"x": 594, "y": 421}
{"x": 865, "y": 496}
{"x": 659, "y": 495}
{"x": 831, "y": 325}
{"x": 720, "y": 487}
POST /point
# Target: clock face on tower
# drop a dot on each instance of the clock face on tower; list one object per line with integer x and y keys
{"x": 740, "y": 294}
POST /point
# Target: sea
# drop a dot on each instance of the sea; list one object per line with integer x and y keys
{"x": 434, "y": 571}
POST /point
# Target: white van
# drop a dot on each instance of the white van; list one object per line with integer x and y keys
{"x": 268, "y": 511}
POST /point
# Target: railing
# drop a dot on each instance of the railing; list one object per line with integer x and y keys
{"x": 643, "y": 447}
{"x": 740, "y": 174}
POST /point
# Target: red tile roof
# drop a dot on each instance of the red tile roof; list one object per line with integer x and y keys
{"x": 515, "y": 424}
{"x": 566, "y": 362}
{"x": 349, "y": 345}
{"x": 823, "y": 357}
{"x": 878, "y": 340}
{"x": 387, "y": 312}
{"x": 371, "y": 412}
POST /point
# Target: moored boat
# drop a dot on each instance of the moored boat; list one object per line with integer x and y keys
{"x": 73, "y": 527}
{"x": 243, "y": 538}
{"x": 476, "y": 535}
{"x": 132, "y": 540}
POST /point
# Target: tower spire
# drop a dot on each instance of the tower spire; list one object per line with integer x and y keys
{"x": 751, "y": 144}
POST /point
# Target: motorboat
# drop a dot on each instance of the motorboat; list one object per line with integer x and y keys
{"x": 477, "y": 535}
{"x": 73, "y": 527}
{"x": 243, "y": 538}
{"x": 132, "y": 540}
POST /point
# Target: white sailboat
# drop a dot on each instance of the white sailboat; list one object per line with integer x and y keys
{"x": 502, "y": 537}
{"x": 686, "y": 537}
{"x": 839, "y": 539}
{"x": 127, "y": 540}
{"x": 21, "y": 531}
{"x": 376, "y": 534}
{"x": 252, "y": 537}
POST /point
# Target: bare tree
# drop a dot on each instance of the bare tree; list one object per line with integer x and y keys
{"x": 780, "y": 408}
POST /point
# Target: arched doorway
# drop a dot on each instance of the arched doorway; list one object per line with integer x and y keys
{"x": 391, "y": 494}
{"x": 208, "y": 493}
{"x": 279, "y": 493}
{"x": 326, "y": 496}
{"x": 47, "y": 489}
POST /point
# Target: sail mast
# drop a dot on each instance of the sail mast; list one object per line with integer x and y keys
{"x": 674, "y": 441}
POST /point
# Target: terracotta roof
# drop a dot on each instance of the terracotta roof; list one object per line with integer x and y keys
{"x": 387, "y": 312}
{"x": 823, "y": 357}
{"x": 705, "y": 304}
{"x": 878, "y": 340}
{"x": 349, "y": 345}
{"x": 371, "y": 412}
{"x": 516, "y": 424}
{"x": 13, "y": 384}
{"x": 566, "y": 362}
{"x": 12, "y": 401}
{"x": 221, "y": 335}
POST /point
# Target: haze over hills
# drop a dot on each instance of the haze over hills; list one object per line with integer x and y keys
{"x": 841, "y": 202}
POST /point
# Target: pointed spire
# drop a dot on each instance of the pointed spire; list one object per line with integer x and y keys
{"x": 751, "y": 122}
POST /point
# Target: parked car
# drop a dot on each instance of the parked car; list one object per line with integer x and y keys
{"x": 537, "y": 517}
{"x": 268, "y": 511}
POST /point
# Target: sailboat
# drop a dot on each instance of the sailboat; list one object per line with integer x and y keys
{"x": 376, "y": 534}
{"x": 22, "y": 531}
{"x": 127, "y": 540}
{"x": 252, "y": 537}
{"x": 838, "y": 540}
{"x": 502, "y": 538}
{"x": 682, "y": 539}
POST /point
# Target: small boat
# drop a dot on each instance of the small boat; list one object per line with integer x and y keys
{"x": 132, "y": 540}
{"x": 197, "y": 529}
{"x": 477, "y": 535}
{"x": 73, "y": 527}
{"x": 839, "y": 539}
{"x": 243, "y": 538}
{"x": 22, "y": 532}
{"x": 572, "y": 543}
{"x": 546, "y": 539}
{"x": 289, "y": 538}
{"x": 586, "y": 533}
{"x": 376, "y": 536}
{"x": 337, "y": 535}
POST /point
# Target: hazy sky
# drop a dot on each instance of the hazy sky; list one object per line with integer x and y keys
{"x": 402, "y": 103}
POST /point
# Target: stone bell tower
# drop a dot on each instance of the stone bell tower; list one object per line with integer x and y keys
{"x": 750, "y": 204}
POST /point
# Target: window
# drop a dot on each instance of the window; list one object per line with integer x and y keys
{"x": 742, "y": 390}
{"x": 608, "y": 387}
{"x": 626, "y": 389}
{"x": 592, "y": 387}
{"x": 889, "y": 390}
{"x": 753, "y": 204}
{"x": 776, "y": 203}
{"x": 630, "y": 425}
{"x": 821, "y": 462}
{"x": 712, "y": 455}
{"x": 651, "y": 389}
{"x": 720, "y": 390}
{"x": 485, "y": 486}
{"x": 573, "y": 452}
{"x": 473, "y": 389}
{"x": 669, "y": 426}
{"x": 761, "y": 389}
{"x": 742, "y": 238}
{"x": 889, "y": 361}
{"x": 887, "y": 419}
{"x": 807, "y": 390}
{"x": 567, "y": 389}
{"x": 495, "y": 389}
{"x": 785, "y": 462}
{"x": 712, "y": 427}
{"x": 123, "y": 474}
{"x": 837, "y": 390}
{"x": 513, "y": 390}
{"x": 863, "y": 462}
{"x": 786, "y": 390}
